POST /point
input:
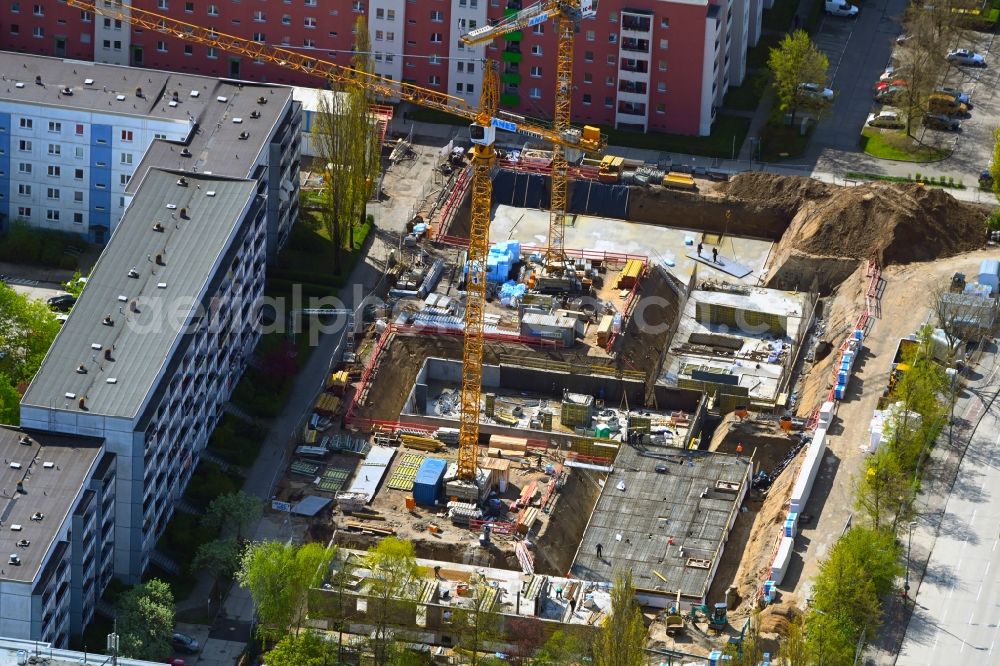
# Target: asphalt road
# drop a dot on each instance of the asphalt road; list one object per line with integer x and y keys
{"x": 957, "y": 610}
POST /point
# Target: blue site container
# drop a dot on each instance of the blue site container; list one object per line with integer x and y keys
{"x": 428, "y": 482}
{"x": 838, "y": 391}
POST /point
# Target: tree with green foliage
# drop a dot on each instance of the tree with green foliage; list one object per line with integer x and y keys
{"x": 829, "y": 640}
{"x": 391, "y": 589}
{"x": 220, "y": 557}
{"x": 749, "y": 652}
{"x": 883, "y": 490}
{"x": 923, "y": 389}
{"x": 994, "y": 167}
{"x": 10, "y": 402}
{"x": 622, "y": 640}
{"x": 478, "y": 626}
{"x": 795, "y": 61}
{"x": 145, "y": 616}
{"x": 27, "y": 328}
{"x": 306, "y": 648}
{"x": 75, "y": 284}
{"x": 233, "y": 513}
{"x": 793, "y": 650}
{"x": 566, "y": 645}
{"x": 278, "y": 576}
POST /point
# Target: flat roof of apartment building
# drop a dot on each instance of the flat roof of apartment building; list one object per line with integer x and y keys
{"x": 213, "y": 104}
{"x": 141, "y": 293}
{"x": 51, "y": 469}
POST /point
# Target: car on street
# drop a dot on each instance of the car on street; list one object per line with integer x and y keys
{"x": 961, "y": 97}
{"x": 886, "y": 119}
{"x": 62, "y": 302}
{"x": 815, "y": 91}
{"x": 938, "y": 121}
{"x": 185, "y": 643}
{"x": 840, "y": 8}
{"x": 966, "y": 58}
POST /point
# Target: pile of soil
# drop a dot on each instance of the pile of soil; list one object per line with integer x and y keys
{"x": 787, "y": 193}
{"x": 776, "y": 618}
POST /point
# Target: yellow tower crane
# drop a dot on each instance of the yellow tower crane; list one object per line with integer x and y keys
{"x": 484, "y": 123}
{"x": 567, "y": 14}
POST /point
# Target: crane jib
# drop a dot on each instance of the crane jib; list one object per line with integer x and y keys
{"x": 509, "y": 126}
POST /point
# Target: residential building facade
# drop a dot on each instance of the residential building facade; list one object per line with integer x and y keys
{"x": 156, "y": 343}
{"x": 58, "y": 537}
{"x": 73, "y": 136}
{"x": 649, "y": 65}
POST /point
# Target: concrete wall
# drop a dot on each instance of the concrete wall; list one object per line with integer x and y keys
{"x": 672, "y": 208}
{"x": 558, "y": 542}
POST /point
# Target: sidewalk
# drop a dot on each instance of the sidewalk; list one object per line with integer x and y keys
{"x": 936, "y": 486}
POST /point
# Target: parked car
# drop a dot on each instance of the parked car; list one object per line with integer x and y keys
{"x": 185, "y": 643}
{"x": 886, "y": 120}
{"x": 63, "y": 302}
{"x": 815, "y": 91}
{"x": 901, "y": 39}
{"x": 882, "y": 85}
{"x": 939, "y": 103}
{"x": 938, "y": 121}
{"x": 966, "y": 58}
{"x": 963, "y": 97}
{"x": 840, "y": 8}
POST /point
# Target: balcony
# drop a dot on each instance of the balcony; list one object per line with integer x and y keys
{"x": 632, "y": 109}
{"x": 634, "y": 87}
{"x": 634, "y": 66}
{"x": 638, "y": 24}
{"x": 636, "y": 45}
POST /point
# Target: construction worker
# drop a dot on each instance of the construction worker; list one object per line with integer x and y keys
{"x": 600, "y": 552}
{"x": 739, "y": 447}
{"x": 699, "y": 248}
{"x": 715, "y": 255}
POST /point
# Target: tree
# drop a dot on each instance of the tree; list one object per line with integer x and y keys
{"x": 920, "y": 64}
{"x": 995, "y": 163}
{"x": 961, "y": 317}
{"x": 795, "y": 61}
{"x": 220, "y": 557}
{"x": 27, "y": 328}
{"x": 883, "y": 490}
{"x": 233, "y": 513}
{"x": 749, "y": 652}
{"x": 567, "y": 645}
{"x": 146, "y": 621}
{"x": 829, "y": 640}
{"x": 478, "y": 626}
{"x": 75, "y": 284}
{"x": 391, "y": 591}
{"x": 793, "y": 650}
{"x": 623, "y": 636}
{"x": 307, "y": 648}
{"x": 527, "y": 634}
{"x": 279, "y": 576}
{"x": 10, "y": 402}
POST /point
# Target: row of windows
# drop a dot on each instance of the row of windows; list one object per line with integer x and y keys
{"x": 55, "y": 171}
{"x": 55, "y": 149}
{"x": 52, "y": 215}
{"x": 213, "y": 10}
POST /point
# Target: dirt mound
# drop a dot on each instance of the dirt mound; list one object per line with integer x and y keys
{"x": 785, "y": 192}
{"x": 776, "y": 618}
{"x": 898, "y": 223}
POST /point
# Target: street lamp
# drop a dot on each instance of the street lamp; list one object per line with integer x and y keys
{"x": 909, "y": 540}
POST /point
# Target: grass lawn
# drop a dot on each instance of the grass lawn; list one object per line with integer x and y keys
{"x": 782, "y": 142}
{"x": 747, "y": 96}
{"x": 718, "y": 144}
{"x": 896, "y": 145}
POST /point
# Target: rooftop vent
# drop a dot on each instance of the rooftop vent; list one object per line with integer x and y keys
{"x": 88, "y": 82}
{"x": 185, "y": 152}
{"x": 171, "y": 206}
{"x": 157, "y": 227}
{"x": 262, "y": 100}
{"x": 108, "y": 321}
{"x": 81, "y": 369}
{"x": 184, "y": 213}
{"x": 195, "y": 93}
{"x": 111, "y": 380}
{"x": 69, "y": 395}
{"x": 183, "y": 182}
{"x": 172, "y": 103}
{"x": 123, "y": 298}
{"x": 19, "y": 84}
{"x": 133, "y": 306}
{"x": 175, "y": 96}
{"x": 16, "y": 527}
{"x": 255, "y": 114}
{"x": 120, "y": 98}
{"x": 67, "y": 91}
{"x": 210, "y": 193}
{"x": 25, "y": 440}
{"x": 48, "y": 465}
{"x": 161, "y": 285}
{"x": 15, "y": 560}
{"x": 83, "y": 403}
{"x": 38, "y": 79}
{"x": 237, "y": 121}
{"x": 138, "y": 92}
{"x": 23, "y": 543}
{"x": 159, "y": 260}
{"x": 38, "y": 516}
{"x": 107, "y": 356}
{"x": 222, "y": 98}
{"x": 698, "y": 563}
{"x": 96, "y": 346}
{"x": 244, "y": 136}
{"x": 132, "y": 273}
{"x": 15, "y": 465}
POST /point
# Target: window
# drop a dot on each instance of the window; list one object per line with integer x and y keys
{"x": 53, "y": 193}
{"x": 536, "y": 71}
{"x": 436, "y": 38}
{"x": 459, "y": 87}
{"x": 662, "y": 65}
{"x": 78, "y": 152}
{"x": 310, "y": 22}
{"x": 78, "y": 218}
{"x": 55, "y": 127}
{"x": 15, "y": 29}
{"x": 106, "y": 44}
{"x": 309, "y": 43}
{"x": 188, "y": 50}
{"x": 588, "y": 77}
{"x": 460, "y": 67}
{"x": 309, "y": 3}
{"x": 469, "y": 88}
{"x": 609, "y": 102}
{"x": 434, "y": 60}
{"x": 388, "y": 56}
{"x": 213, "y": 10}
{"x": 123, "y": 179}
{"x": 38, "y": 32}
{"x": 612, "y": 38}
{"x": 536, "y": 49}
{"x": 189, "y": 7}
{"x": 434, "y": 80}
{"x": 663, "y": 43}
{"x": 356, "y": 6}
{"x": 86, "y": 17}
{"x": 609, "y": 81}
{"x": 118, "y": 45}
{"x": 664, "y": 23}
{"x": 55, "y": 171}
{"x": 535, "y": 93}
{"x": 78, "y": 174}
{"x": 107, "y": 24}
{"x": 24, "y": 190}
{"x": 259, "y": 16}
{"x": 586, "y": 99}
{"x": 23, "y": 211}
{"x": 380, "y": 13}
{"x": 612, "y": 59}
{"x": 127, "y": 136}
{"x": 24, "y": 146}
{"x": 38, "y": 10}
{"x": 55, "y": 149}
{"x": 538, "y": 29}
{"x": 661, "y": 86}
{"x": 52, "y": 215}
{"x": 390, "y": 36}
{"x": 78, "y": 197}
{"x": 259, "y": 37}
{"x": 590, "y": 36}
{"x": 286, "y": 19}
{"x": 613, "y": 17}
{"x": 437, "y": 16}
{"x": 390, "y": 14}
{"x": 210, "y": 52}
{"x": 15, "y": 7}
{"x": 379, "y": 35}
{"x": 26, "y": 123}
{"x": 85, "y": 38}
{"x": 24, "y": 167}
{"x": 161, "y": 46}
{"x": 162, "y": 4}
{"x": 588, "y": 56}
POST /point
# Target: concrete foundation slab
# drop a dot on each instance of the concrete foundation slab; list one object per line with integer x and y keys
{"x": 725, "y": 264}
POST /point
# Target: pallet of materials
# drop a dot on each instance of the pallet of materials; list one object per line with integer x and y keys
{"x": 303, "y": 468}
{"x": 421, "y": 443}
{"x": 332, "y": 480}
{"x": 327, "y": 404}
{"x": 406, "y": 472}
{"x": 511, "y": 446}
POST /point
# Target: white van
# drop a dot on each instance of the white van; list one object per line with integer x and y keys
{"x": 840, "y": 8}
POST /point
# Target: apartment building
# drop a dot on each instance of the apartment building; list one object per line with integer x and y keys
{"x": 156, "y": 343}
{"x": 648, "y": 65}
{"x": 58, "y": 507}
{"x": 76, "y": 137}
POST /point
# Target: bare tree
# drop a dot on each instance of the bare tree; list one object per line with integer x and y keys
{"x": 921, "y": 63}
{"x": 962, "y": 317}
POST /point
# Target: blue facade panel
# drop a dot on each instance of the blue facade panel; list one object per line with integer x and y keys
{"x": 4, "y": 171}
{"x": 99, "y": 216}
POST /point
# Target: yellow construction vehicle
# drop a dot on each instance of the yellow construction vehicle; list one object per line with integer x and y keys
{"x": 484, "y": 123}
{"x": 567, "y": 14}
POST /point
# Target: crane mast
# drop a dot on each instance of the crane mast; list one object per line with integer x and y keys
{"x": 484, "y": 123}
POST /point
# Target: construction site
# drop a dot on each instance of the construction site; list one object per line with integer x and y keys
{"x": 657, "y": 408}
